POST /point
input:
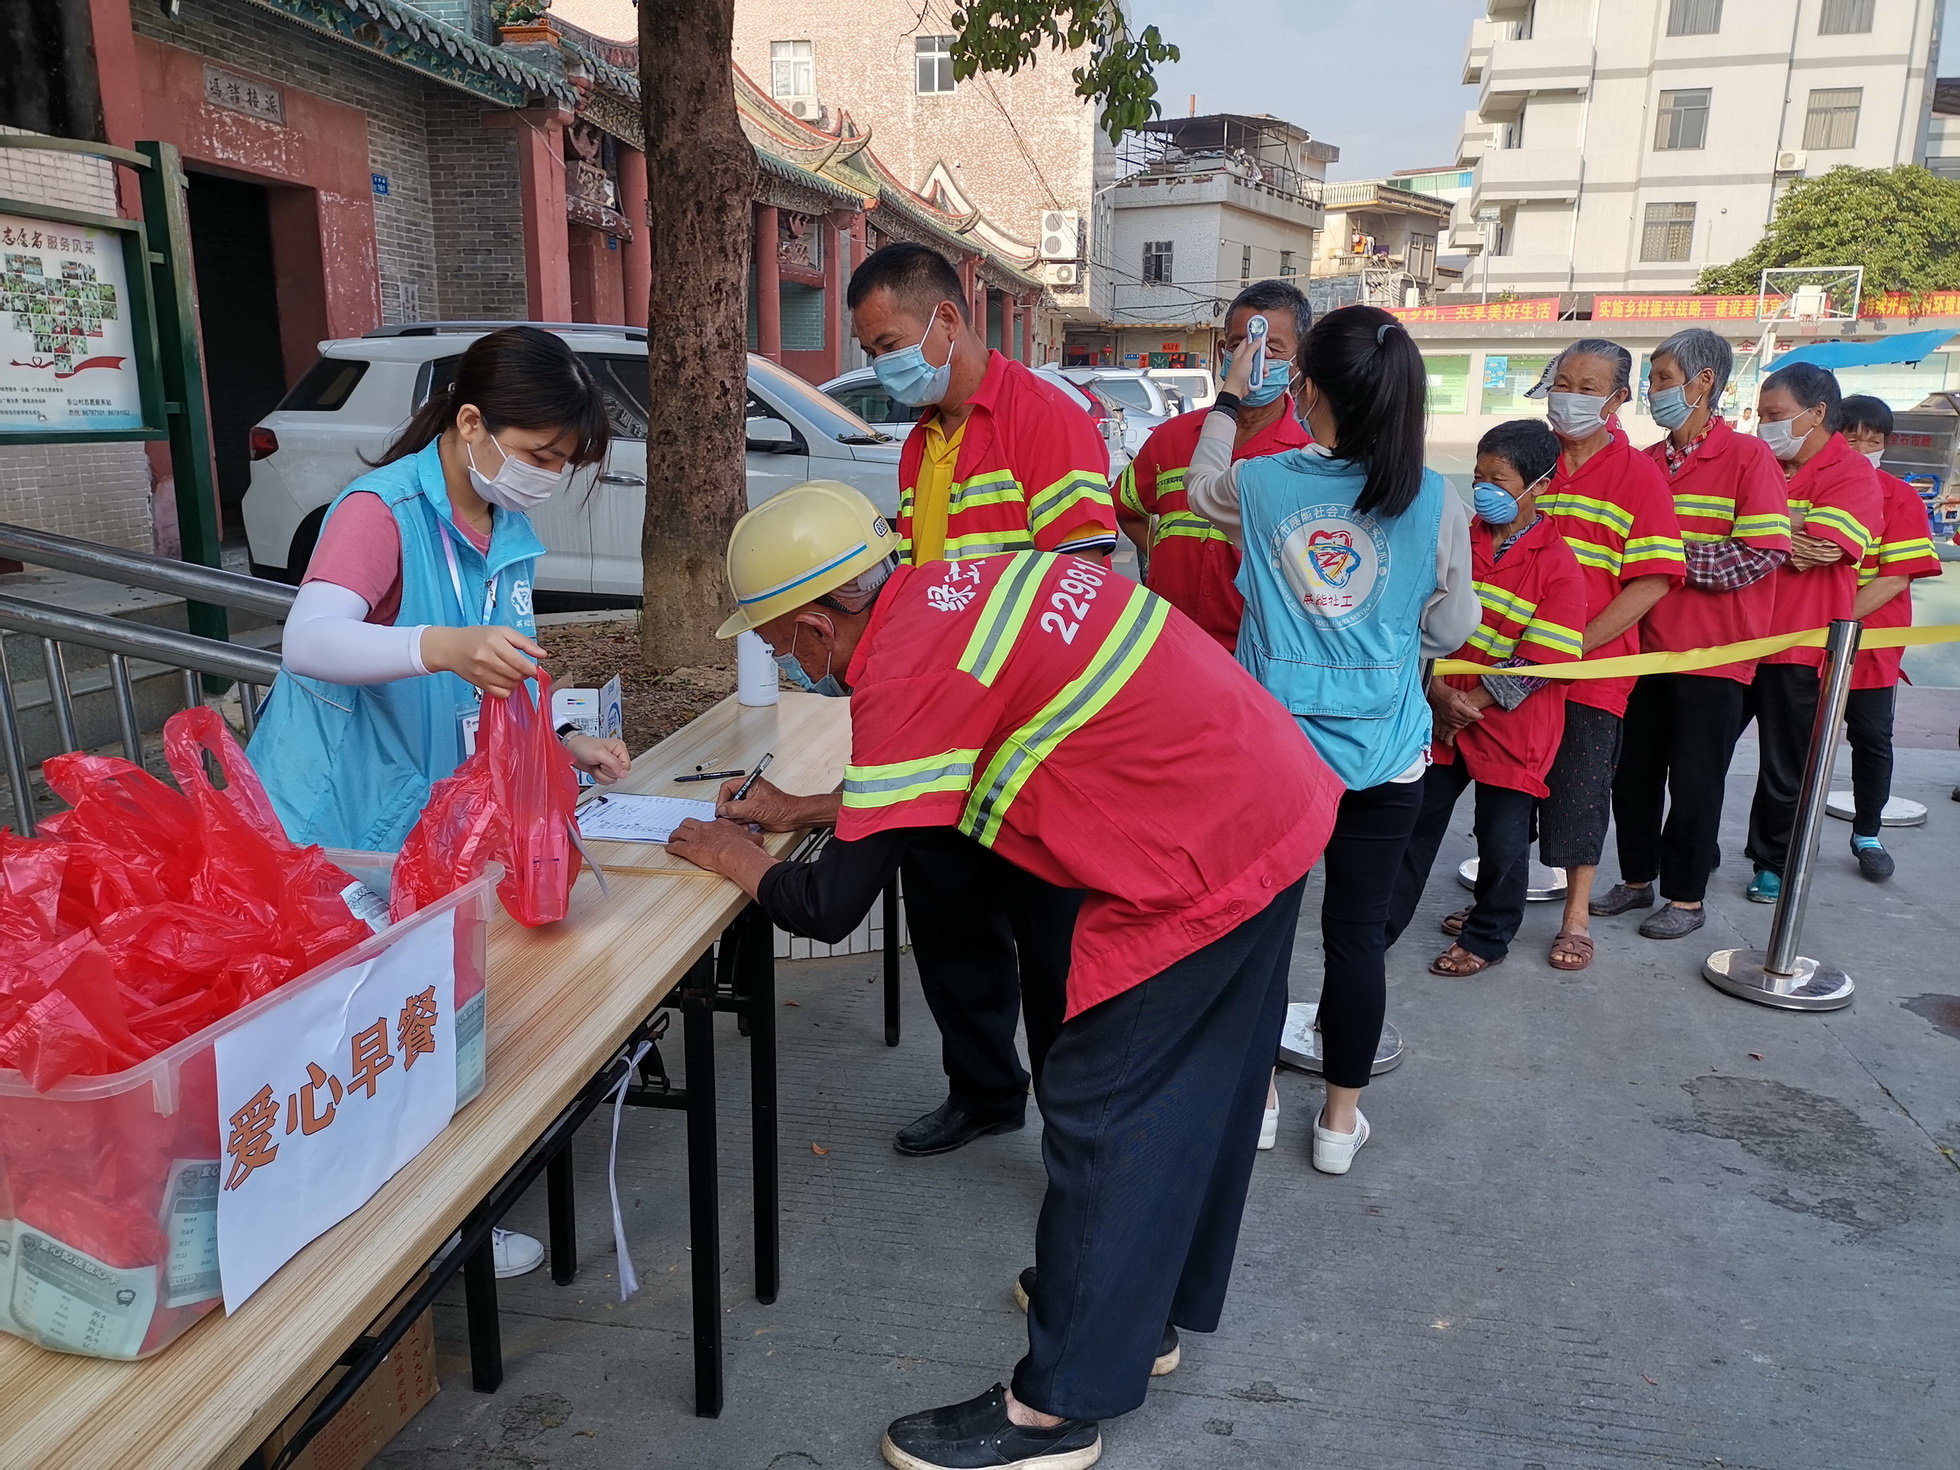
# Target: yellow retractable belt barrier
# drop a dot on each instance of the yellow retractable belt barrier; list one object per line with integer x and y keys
{"x": 1688, "y": 660}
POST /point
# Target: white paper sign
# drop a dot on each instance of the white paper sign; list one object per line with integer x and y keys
{"x": 67, "y": 354}
{"x": 322, "y": 1099}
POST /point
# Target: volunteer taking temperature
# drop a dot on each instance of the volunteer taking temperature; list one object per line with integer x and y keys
{"x": 418, "y": 596}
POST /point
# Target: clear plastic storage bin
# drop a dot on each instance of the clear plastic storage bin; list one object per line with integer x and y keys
{"x": 109, "y": 1184}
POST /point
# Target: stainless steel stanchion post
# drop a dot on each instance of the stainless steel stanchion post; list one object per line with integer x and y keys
{"x": 1779, "y": 976}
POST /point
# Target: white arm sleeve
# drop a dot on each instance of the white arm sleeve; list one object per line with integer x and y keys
{"x": 327, "y": 639}
{"x": 1212, "y": 481}
{"x": 1452, "y": 612}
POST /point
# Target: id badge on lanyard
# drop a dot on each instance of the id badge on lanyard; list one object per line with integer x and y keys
{"x": 467, "y": 721}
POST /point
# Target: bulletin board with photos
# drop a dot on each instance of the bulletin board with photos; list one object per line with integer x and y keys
{"x": 78, "y": 342}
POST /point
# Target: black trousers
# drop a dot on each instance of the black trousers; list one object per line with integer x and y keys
{"x": 1503, "y": 828}
{"x": 1680, "y": 735}
{"x": 1371, "y": 831}
{"x": 1150, "y": 1107}
{"x": 1786, "y": 709}
{"x": 1868, "y": 725}
{"x": 992, "y": 944}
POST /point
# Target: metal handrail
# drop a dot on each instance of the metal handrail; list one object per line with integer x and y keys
{"x": 139, "y": 640}
{"x": 156, "y": 573}
{"x": 122, "y": 641}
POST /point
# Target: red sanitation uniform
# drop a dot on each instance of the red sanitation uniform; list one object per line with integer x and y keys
{"x": 1534, "y": 602}
{"x": 1032, "y": 471}
{"x": 1617, "y": 514}
{"x": 1904, "y": 549}
{"x": 1729, "y": 488}
{"x": 1087, "y": 732}
{"x": 1193, "y": 566}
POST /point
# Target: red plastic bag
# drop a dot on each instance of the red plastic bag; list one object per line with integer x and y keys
{"x": 138, "y": 840}
{"x": 511, "y": 801}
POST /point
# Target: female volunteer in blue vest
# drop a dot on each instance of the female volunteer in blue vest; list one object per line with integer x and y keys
{"x": 1356, "y": 567}
{"x": 419, "y": 595}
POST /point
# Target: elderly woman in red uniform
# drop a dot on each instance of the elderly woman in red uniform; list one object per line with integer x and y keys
{"x": 1903, "y": 553}
{"x": 1681, "y": 728}
{"x": 1836, "y": 515}
{"x": 1499, "y": 729}
{"x": 1613, "y": 506}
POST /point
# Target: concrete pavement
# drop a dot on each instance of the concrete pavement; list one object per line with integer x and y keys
{"x": 1610, "y": 1219}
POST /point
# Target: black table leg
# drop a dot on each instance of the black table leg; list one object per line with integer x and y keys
{"x": 480, "y": 1305}
{"x": 703, "y": 1187}
{"x": 562, "y": 1212}
{"x": 757, "y": 959}
{"x": 891, "y": 962}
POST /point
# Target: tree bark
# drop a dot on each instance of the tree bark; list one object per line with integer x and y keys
{"x": 700, "y": 183}
{"x": 47, "y": 69}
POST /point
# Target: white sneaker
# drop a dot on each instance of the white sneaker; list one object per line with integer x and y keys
{"x": 1333, "y": 1153}
{"x": 515, "y": 1254}
{"x": 1269, "y": 1128}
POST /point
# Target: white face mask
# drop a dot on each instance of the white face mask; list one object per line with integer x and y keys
{"x": 1877, "y": 457}
{"x": 1577, "y": 415}
{"x": 1781, "y": 437}
{"x": 518, "y": 486}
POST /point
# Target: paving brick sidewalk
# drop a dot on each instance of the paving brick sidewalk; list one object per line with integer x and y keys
{"x": 1610, "y": 1219}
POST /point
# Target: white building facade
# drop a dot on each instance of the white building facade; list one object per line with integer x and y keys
{"x": 1625, "y": 147}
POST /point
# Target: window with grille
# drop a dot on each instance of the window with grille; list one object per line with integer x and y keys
{"x": 792, "y": 69}
{"x": 1845, "y": 18}
{"x": 1245, "y": 263}
{"x": 1286, "y": 266}
{"x": 1694, "y": 17}
{"x": 934, "y": 56}
{"x": 1683, "y": 120}
{"x": 1832, "y": 119}
{"x": 1157, "y": 262}
{"x": 1668, "y": 232}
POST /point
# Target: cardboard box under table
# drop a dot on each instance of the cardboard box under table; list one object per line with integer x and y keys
{"x": 562, "y": 1000}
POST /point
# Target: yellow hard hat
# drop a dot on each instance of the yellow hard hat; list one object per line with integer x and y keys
{"x": 796, "y": 546}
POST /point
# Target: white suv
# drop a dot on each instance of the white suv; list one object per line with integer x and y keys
{"x": 363, "y": 389}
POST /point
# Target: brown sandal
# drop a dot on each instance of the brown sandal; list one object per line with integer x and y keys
{"x": 1458, "y": 962}
{"x": 1571, "y": 951}
{"x": 1453, "y": 925}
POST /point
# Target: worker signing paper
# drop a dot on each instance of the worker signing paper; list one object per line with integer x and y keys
{"x": 1092, "y": 735}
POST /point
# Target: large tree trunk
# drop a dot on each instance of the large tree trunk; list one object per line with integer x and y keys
{"x": 47, "y": 68}
{"x": 700, "y": 180}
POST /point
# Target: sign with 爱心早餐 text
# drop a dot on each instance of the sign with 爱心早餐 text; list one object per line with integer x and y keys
{"x": 325, "y": 1096}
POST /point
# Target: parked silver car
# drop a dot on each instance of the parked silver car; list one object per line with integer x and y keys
{"x": 860, "y": 391}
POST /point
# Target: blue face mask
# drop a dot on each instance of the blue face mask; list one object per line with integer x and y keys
{"x": 1670, "y": 407}
{"x": 827, "y": 685}
{"x": 1278, "y": 375}
{"x": 908, "y": 377}
{"x": 1495, "y": 505}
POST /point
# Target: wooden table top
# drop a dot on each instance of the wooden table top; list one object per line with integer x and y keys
{"x": 560, "y": 1000}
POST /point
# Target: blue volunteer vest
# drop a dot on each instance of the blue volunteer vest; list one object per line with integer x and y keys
{"x": 350, "y": 765}
{"x": 1333, "y": 603}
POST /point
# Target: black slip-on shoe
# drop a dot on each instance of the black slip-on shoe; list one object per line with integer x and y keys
{"x": 978, "y": 1435}
{"x": 1874, "y": 863}
{"x": 950, "y": 1126}
{"x": 1673, "y": 922}
{"x": 1170, "y": 1352}
{"x": 1620, "y": 899}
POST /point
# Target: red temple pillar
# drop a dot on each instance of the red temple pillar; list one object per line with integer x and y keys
{"x": 768, "y": 285}
{"x": 539, "y": 132}
{"x": 636, "y": 254}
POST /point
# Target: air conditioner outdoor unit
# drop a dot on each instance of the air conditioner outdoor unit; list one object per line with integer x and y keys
{"x": 1791, "y": 161}
{"x": 1065, "y": 275}
{"x": 806, "y": 108}
{"x": 1061, "y": 232}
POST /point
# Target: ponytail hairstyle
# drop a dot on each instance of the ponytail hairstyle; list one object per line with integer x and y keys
{"x": 1367, "y": 369}
{"x": 518, "y": 378}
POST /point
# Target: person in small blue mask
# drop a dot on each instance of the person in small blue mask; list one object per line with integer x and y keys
{"x": 1502, "y": 729}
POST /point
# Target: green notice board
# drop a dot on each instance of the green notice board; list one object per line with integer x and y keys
{"x": 1448, "y": 377}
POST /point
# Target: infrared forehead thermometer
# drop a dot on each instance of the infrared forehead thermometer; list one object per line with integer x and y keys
{"x": 1255, "y": 338}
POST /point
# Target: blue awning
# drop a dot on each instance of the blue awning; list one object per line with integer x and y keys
{"x": 1909, "y": 347}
